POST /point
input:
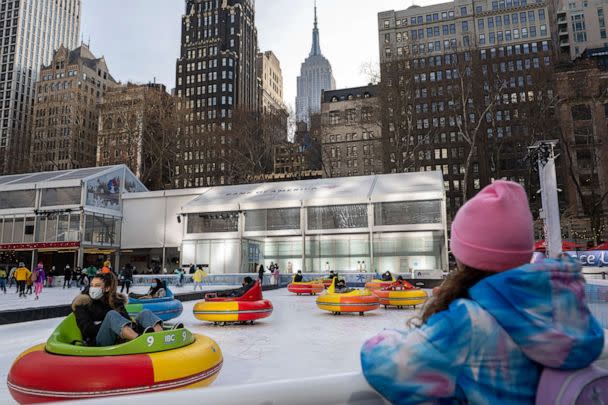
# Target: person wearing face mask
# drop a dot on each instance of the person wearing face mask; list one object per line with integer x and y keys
{"x": 102, "y": 318}
{"x": 157, "y": 290}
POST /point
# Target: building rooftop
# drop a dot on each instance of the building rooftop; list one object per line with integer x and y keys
{"x": 62, "y": 178}
{"x": 320, "y": 192}
{"x": 371, "y": 90}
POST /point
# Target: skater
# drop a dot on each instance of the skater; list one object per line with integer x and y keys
{"x": 289, "y": 268}
{"x": 67, "y": 276}
{"x": 199, "y": 276}
{"x": 90, "y": 271}
{"x": 81, "y": 276}
{"x": 496, "y": 321}
{"x": 39, "y": 277}
{"x": 157, "y": 290}
{"x": 127, "y": 278}
{"x": 30, "y": 283}
{"x": 261, "y": 274}
{"x": 387, "y": 276}
{"x": 180, "y": 277}
{"x": 22, "y": 274}
{"x": 102, "y": 318}
{"x": 326, "y": 268}
{"x": 50, "y": 276}
{"x": 11, "y": 278}
{"x": 363, "y": 267}
{"x": 3, "y": 277}
{"x": 107, "y": 267}
{"x": 298, "y": 278}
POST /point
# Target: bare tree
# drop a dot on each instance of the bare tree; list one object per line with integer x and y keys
{"x": 250, "y": 141}
{"x": 471, "y": 113}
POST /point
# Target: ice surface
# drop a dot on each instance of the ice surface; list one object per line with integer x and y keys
{"x": 298, "y": 340}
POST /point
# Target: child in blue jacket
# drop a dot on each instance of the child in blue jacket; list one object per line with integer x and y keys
{"x": 495, "y": 322}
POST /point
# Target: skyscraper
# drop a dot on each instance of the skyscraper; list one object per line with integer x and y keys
{"x": 33, "y": 30}
{"x": 216, "y": 75}
{"x": 315, "y": 76}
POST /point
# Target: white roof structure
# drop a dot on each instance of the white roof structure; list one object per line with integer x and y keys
{"x": 57, "y": 179}
{"x": 320, "y": 192}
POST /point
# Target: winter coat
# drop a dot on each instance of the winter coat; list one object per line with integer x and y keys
{"x": 11, "y": 274}
{"x": 22, "y": 274}
{"x": 67, "y": 273}
{"x": 40, "y": 276}
{"x": 127, "y": 274}
{"x": 199, "y": 275}
{"x": 3, "y": 274}
{"x": 490, "y": 349}
{"x": 90, "y": 314}
{"x": 298, "y": 278}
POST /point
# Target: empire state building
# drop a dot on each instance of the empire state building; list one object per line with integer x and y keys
{"x": 315, "y": 76}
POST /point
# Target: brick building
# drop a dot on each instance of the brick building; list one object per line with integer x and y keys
{"x": 138, "y": 127}
{"x": 66, "y": 110}
{"x": 351, "y": 132}
{"x": 583, "y": 116}
{"x": 466, "y": 76}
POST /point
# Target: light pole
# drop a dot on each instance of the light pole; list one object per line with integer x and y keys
{"x": 543, "y": 153}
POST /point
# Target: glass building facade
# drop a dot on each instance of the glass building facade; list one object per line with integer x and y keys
{"x": 393, "y": 222}
{"x": 74, "y": 212}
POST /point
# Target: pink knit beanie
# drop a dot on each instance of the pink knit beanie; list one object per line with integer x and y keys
{"x": 493, "y": 231}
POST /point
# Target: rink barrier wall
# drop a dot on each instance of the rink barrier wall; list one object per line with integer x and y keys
{"x": 352, "y": 279}
{"x": 341, "y": 389}
{"x": 59, "y": 311}
{"x": 596, "y": 292}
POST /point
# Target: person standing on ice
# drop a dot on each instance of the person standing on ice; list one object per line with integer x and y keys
{"x": 67, "y": 276}
{"x": 50, "y": 276}
{"x": 3, "y": 277}
{"x": 11, "y": 278}
{"x": 261, "y": 274}
{"x": 298, "y": 278}
{"x": 22, "y": 274}
{"x": 199, "y": 276}
{"x": 327, "y": 268}
{"x": 496, "y": 321}
{"x": 39, "y": 278}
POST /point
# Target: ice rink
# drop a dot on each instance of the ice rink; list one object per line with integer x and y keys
{"x": 297, "y": 341}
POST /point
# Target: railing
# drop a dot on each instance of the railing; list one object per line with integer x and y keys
{"x": 347, "y": 389}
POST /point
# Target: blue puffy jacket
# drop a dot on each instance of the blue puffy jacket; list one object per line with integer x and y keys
{"x": 491, "y": 348}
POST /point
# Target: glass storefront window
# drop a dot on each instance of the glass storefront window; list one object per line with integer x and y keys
{"x": 337, "y": 217}
{"x": 213, "y": 222}
{"x": 49, "y": 228}
{"x": 272, "y": 219}
{"x": 62, "y": 228}
{"x": 407, "y": 252}
{"x": 407, "y": 213}
{"x": 17, "y": 199}
{"x": 74, "y": 231}
{"x": 341, "y": 252}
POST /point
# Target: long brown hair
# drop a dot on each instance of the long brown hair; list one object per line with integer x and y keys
{"x": 454, "y": 287}
{"x": 112, "y": 296}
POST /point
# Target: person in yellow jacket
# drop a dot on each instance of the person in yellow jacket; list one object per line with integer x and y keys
{"x": 198, "y": 277}
{"x": 22, "y": 274}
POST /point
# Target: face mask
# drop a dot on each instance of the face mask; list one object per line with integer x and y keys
{"x": 96, "y": 292}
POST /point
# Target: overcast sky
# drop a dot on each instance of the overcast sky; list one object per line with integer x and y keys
{"x": 140, "y": 39}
